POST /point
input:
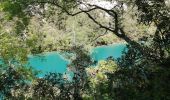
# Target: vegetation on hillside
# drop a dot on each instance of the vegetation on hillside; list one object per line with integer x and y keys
{"x": 74, "y": 26}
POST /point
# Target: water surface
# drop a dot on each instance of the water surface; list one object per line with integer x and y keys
{"x": 48, "y": 62}
{"x": 54, "y": 62}
{"x": 103, "y": 52}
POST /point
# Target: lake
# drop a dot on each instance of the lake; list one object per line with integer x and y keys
{"x": 54, "y": 62}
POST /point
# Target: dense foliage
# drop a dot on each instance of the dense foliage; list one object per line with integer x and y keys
{"x": 74, "y": 26}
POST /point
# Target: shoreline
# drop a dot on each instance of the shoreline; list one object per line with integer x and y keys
{"x": 58, "y": 53}
{"x": 112, "y": 44}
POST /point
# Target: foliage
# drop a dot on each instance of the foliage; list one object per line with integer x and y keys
{"x": 99, "y": 80}
{"x": 52, "y": 86}
{"x": 142, "y": 73}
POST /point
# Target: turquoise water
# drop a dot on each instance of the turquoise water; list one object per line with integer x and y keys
{"x": 103, "y": 52}
{"x": 53, "y": 62}
{"x": 48, "y": 62}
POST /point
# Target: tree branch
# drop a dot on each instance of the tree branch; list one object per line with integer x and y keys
{"x": 62, "y": 8}
{"x": 99, "y": 36}
{"x": 117, "y": 30}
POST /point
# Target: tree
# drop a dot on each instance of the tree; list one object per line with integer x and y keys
{"x": 143, "y": 70}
